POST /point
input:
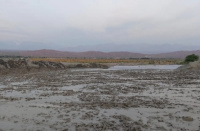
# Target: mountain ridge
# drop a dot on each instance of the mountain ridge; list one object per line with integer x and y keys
{"x": 95, "y": 54}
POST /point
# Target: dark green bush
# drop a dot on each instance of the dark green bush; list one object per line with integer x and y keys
{"x": 191, "y": 58}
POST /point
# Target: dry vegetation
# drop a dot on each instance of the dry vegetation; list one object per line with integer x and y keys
{"x": 133, "y": 61}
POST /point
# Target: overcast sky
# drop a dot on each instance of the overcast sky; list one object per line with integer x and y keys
{"x": 105, "y": 25}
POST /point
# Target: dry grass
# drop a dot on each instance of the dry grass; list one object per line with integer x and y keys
{"x": 134, "y": 61}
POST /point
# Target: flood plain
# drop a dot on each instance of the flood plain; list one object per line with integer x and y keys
{"x": 100, "y": 99}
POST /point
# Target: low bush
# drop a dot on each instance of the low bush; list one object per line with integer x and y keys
{"x": 191, "y": 58}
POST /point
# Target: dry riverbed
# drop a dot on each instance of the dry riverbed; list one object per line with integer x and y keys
{"x": 98, "y": 99}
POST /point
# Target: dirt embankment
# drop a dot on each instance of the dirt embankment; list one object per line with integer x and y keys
{"x": 191, "y": 66}
{"x": 27, "y": 64}
{"x": 89, "y": 65}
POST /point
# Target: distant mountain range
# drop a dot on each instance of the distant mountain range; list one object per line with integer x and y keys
{"x": 96, "y": 54}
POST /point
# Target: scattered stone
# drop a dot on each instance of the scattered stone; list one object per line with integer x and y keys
{"x": 187, "y": 118}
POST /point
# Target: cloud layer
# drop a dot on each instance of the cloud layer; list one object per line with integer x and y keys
{"x": 64, "y": 23}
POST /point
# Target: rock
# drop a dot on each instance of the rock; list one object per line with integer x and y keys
{"x": 187, "y": 118}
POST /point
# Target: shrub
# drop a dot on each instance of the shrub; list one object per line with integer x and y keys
{"x": 191, "y": 58}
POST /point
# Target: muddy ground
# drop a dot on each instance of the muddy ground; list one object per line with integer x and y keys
{"x": 100, "y": 99}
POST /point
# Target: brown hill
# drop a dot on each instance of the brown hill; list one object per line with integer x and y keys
{"x": 96, "y": 54}
{"x": 177, "y": 54}
{"x": 88, "y": 54}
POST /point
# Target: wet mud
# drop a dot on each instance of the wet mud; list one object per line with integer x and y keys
{"x": 87, "y": 100}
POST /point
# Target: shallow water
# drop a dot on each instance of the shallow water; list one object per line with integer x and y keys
{"x": 139, "y": 67}
{"x": 136, "y": 67}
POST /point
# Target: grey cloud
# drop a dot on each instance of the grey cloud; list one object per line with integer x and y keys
{"x": 64, "y": 23}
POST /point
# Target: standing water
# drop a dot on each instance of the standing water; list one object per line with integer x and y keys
{"x": 139, "y": 67}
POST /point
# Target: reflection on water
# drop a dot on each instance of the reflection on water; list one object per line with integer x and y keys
{"x": 138, "y": 67}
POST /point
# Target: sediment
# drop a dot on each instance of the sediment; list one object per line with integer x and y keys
{"x": 113, "y": 100}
